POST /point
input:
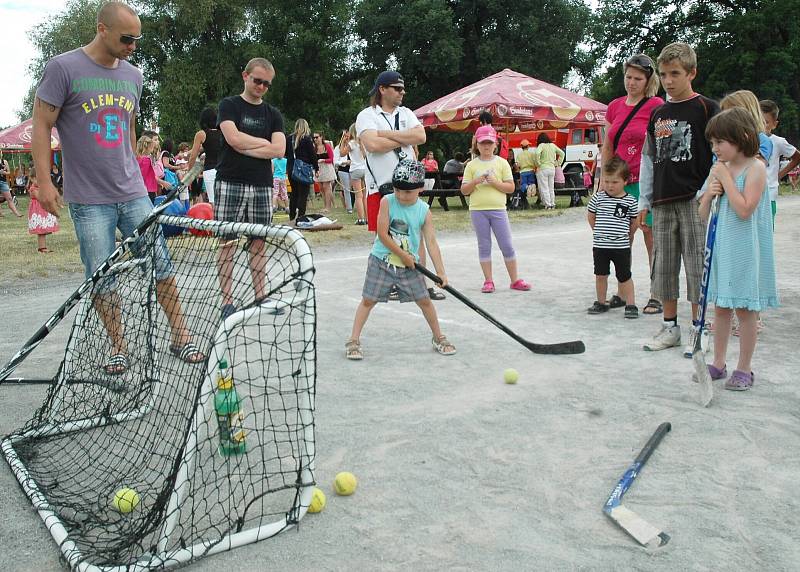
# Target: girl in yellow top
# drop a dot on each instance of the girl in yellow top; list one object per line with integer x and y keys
{"x": 487, "y": 181}
{"x": 548, "y": 157}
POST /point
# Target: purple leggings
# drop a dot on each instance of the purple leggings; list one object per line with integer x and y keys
{"x": 487, "y": 222}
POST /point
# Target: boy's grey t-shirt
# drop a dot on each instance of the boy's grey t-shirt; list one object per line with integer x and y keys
{"x": 97, "y": 107}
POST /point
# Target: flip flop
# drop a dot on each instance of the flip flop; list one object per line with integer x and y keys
{"x": 116, "y": 365}
{"x": 187, "y": 353}
{"x": 652, "y": 307}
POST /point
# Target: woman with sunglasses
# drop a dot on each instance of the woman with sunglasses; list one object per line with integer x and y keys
{"x": 626, "y": 128}
{"x": 326, "y": 174}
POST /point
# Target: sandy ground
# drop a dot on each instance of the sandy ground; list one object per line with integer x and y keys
{"x": 460, "y": 471}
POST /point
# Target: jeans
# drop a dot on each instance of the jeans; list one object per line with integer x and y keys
{"x": 95, "y": 227}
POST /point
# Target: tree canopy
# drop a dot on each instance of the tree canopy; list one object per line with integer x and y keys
{"x": 327, "y": 53}
{"x": 740, "y": 44}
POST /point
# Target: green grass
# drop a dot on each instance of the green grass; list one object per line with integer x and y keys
{"x": 20, "y": 257}
{"x": 20, "y": 260}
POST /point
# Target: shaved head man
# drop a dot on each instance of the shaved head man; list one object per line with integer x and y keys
{"x": 92, "y": 95}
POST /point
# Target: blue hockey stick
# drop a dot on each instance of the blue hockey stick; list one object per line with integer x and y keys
{"x": 644, "y": 533}
{"x": 701, "y": 374}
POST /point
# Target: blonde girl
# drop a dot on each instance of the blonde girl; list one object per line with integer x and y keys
{"x": 358, "y": 167}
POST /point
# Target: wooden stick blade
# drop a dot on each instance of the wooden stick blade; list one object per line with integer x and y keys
{"x": 645, "y": 533}
{"x": 705, "y": 389}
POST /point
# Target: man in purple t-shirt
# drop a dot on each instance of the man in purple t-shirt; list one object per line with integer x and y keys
{"x": 92, "y": 96}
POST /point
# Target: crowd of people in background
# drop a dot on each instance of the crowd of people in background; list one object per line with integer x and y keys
{"x": 655, "y": 156}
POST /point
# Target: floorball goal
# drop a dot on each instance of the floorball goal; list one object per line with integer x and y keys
{"x": 171, "y": 460}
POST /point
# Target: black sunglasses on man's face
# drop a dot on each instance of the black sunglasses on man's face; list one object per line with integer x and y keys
{"x": 127, "y": 39}
{"x": 265, "y": 82}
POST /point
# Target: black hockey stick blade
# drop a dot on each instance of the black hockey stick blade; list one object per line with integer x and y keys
{"x": 560, "y": 348}
{"x": 98, "y": 274}
{"x": 645, "y": 533}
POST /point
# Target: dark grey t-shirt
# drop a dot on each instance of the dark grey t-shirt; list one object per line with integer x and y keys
{"x": 97, "y": 105}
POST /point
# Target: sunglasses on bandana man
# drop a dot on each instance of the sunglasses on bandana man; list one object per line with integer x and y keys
{"x": 642, "y": 62}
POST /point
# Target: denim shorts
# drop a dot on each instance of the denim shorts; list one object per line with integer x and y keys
{"x": 4, "y": 188}
{"x": 95, "y": 227}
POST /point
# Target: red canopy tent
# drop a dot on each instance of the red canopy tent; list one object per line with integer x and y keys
{"x": 18, "y": 138}
{"x": 514, "y": 100}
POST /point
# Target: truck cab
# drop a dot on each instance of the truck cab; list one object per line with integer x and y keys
{"x": 580, "y": 146}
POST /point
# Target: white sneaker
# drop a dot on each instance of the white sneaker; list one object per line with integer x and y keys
{"x": 667, "y": 337}
{"x": 688, "y": 351}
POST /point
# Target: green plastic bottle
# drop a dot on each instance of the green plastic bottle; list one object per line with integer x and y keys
{"x": 229, "y": 415}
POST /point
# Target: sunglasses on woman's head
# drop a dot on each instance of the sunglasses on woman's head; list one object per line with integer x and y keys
{"x": 642, "y": 62}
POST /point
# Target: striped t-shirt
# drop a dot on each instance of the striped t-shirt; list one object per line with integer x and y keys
{"x": 612, "y": 219}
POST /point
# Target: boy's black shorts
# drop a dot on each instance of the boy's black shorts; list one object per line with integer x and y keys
{"x": 621, "y": 257}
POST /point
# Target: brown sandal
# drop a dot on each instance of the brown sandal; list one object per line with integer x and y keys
{"x": 353, "y": 350}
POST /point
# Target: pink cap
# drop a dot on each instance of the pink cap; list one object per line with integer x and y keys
{"x": 486, "y": 133}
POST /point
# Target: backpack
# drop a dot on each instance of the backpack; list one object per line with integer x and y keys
{"x": 172, "y": 178}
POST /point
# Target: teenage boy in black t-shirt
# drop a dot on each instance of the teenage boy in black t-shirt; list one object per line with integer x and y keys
{"x": 252, "y": 133}
{"x": 676, "y": 160}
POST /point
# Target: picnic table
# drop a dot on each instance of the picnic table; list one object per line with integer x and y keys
{"x": 446, "y": 185}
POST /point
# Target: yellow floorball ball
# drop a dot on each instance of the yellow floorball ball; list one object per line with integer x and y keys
{"x": 125, "y": 500}
{"x": 510, "y": 375}
{"x": 345, "y": 483}
{"x": 317, "y": 501}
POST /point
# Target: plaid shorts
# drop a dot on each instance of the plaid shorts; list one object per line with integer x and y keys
{"x": 381, "y": 276}
{"x": 240, "y": 202}
{"x": 678, "y": 232}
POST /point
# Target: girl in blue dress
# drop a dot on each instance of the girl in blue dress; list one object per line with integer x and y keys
{"x": 743, "y": 265}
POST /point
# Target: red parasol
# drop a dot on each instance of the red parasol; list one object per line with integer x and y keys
{"x": 18, "y": 138}
{"x": 513, "y": 99}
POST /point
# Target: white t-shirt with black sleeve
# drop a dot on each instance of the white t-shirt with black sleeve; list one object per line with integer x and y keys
{"x": 613, "y": 216}
{"x": 383, "y": 164}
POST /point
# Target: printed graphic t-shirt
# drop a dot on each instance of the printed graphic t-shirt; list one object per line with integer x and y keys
{"x": 613, "y": 216}
{"x": 405, "y": 226}
{"x": 485, "y": 197}
{"x": 631, "y": 141}
{"x": 677, "y": 143}
{"x": 98, "y": 105}
{"x": 256, "y": 120}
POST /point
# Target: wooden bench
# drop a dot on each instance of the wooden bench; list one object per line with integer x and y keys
{"x": 443, "y": 195}
{"x": 446, "y": 185}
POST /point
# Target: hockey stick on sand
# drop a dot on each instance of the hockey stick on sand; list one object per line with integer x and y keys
{"x": 560, "y": 348}
{"x": 644, "y": 533}
{"x": 86, "y": 287}
{"x": 701, "y": 373}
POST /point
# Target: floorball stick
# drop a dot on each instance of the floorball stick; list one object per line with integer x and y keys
{"x": 701, "y": 374}
{"x": 98, "y": 274}
{"x": 560, "y": 348}
{"x": 644, "y": 533}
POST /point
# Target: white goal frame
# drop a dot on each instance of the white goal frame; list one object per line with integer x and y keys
{"x": 302, "y": 294}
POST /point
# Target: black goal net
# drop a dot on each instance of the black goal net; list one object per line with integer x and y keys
{"x": 181, "y": 420}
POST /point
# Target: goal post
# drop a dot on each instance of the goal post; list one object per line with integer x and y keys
{"x": 163, "y": 428}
